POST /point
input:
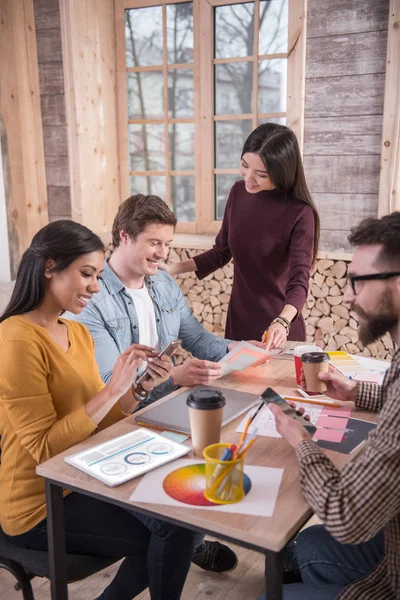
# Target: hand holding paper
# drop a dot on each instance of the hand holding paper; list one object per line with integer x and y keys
{"x": 245, "y": 355}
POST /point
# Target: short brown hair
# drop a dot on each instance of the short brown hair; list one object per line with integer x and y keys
{"x": 138, "y": 211}
{"x": 384, "y": 231}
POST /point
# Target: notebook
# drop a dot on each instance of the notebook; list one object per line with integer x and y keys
{"x": 174, "y": 413}
{"x": 127, "y": 456}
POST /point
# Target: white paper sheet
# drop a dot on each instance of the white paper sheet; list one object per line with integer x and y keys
{"x": 265, "y": 420}
{"x": 260, "y": 501}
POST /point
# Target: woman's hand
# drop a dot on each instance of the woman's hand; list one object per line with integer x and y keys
{"x": 171, "y": 268}
{"x": 277, "y": 335}
{"x": 339, "y": 387}
{"x": 159, "y": 370}
{"x": 125, "y": 368}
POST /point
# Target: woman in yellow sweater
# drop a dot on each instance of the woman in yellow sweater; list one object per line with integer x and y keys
{"x": 52, "y": 396}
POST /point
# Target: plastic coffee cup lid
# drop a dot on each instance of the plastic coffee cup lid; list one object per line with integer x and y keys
{"x": 314, "y": 357}
{"x": 204, "y": 399}
{"x": 299, "y": 350}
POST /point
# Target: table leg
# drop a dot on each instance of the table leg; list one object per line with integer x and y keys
{"x": 56, "y": 541}
{"x": 273, "y": 575}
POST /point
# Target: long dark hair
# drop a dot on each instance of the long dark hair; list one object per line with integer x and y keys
{"x": 279, "y": 151}
{"x": 63, "y": 241}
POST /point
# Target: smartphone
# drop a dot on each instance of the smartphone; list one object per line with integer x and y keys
{"x": 168, "y": 351}
{"x": 270, "y": 396}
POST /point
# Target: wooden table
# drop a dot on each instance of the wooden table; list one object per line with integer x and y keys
{"x": 264, "y": 534}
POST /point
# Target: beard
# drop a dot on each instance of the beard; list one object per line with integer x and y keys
{"x": 374, "y": 326}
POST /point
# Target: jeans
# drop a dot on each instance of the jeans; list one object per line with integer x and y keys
{"x": 328, "y": 566}
{"x": 158, "y": 554}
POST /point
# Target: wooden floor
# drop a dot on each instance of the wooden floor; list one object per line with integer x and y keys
{"x": 244, "y": 583}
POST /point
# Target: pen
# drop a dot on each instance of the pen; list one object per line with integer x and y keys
{"x": 344, "y": 430}
{"x": 244, "y": 450}
{"x": 226, "y": 455}
{"x": 248, "y": 423}
{"x": 312, "y": 401}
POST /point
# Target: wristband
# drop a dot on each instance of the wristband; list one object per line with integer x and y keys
{"x": 139, "y": 392}
{"x": 282, "y": 321}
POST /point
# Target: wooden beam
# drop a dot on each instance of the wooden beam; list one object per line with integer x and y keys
{"x": 88, "y": 36}
{"x": 389, "y": 185}
{"x": 20, "y": 109}
{"x": 296, "y": 68}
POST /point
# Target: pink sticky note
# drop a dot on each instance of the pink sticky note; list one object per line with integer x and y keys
{"x": 328, "y": 435}
{"x": 329, "y": 421}
{"x": 334, "y": 411}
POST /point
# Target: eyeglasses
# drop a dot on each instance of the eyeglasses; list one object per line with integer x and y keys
{"x": 353, "y": 279}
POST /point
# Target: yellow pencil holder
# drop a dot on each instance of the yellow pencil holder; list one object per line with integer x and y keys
{"x": 224, "y": 478}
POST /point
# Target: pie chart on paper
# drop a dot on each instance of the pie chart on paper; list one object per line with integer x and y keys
{"x": 187, "y": 485}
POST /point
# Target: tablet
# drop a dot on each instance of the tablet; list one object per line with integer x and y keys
{"x": 174, "y": 413}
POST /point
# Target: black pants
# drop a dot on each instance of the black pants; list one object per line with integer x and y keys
{"x": 158, "y": 555}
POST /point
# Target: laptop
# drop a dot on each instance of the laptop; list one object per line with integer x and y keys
{"x": 174, "y": 413}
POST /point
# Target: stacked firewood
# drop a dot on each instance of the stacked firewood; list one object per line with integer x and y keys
{"x": 329, "y": 322}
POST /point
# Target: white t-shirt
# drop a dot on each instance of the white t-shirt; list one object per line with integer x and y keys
{"x": 146, "y": 318}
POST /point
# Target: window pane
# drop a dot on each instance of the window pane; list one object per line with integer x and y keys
{"x": 180, "y": 33}
{"x": 182, "y": 197}
{"x": 229, "y": 139}
{"x": 273, "y": 37}
{"x": 143, "y": 36}
{"x": 233, "y": 88}
{"x": 146, "y": 147}
{"x": 181, "y": 146}
{"x": 272, "y": 75}
{"x": 145, "y": 95}
{"x": 234, "y": 30}
{"x": 180, "y": 93}
{"x": 279, "y": 120}
{"x": 223, "y": 184}
{"x": 148, "y": 185}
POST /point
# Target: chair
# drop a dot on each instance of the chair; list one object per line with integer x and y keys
{"x": 26, "y": 564}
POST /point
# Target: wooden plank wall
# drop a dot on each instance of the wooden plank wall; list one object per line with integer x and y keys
{"x": 345, "y": 80}
{"x": 22, "y": 138}
{"x": 88, "y": 36}
{"x": 389, "y": 190}
{"x": 48, "y": 39}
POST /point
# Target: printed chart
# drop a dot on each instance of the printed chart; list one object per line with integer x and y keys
{"x": 187, "y": 485}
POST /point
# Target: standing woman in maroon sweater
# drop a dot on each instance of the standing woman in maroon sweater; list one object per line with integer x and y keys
{"x": 271, "y": 230}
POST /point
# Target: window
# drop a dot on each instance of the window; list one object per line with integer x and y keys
{"x": 198, "y": 78}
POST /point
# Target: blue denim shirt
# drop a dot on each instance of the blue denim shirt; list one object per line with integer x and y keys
{"x": 112, "y": 320}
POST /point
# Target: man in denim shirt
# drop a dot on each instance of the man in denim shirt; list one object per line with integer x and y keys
{"x": 138, "y": 303}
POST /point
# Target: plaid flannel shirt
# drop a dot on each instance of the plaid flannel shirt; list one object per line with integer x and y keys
{"x": 356, "y": 503}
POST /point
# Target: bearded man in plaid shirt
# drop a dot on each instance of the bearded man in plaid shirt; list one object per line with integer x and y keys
{"x": 355, "y": 554}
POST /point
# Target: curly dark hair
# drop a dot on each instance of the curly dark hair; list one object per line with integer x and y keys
{"x": 384, "y": 231}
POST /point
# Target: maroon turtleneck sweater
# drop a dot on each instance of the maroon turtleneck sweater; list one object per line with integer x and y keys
{"x": 270, "y": 237}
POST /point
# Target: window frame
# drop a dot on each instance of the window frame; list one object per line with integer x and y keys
{"x": 204, "y": 119}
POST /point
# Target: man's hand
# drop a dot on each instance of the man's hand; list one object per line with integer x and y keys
{"x": 231, "y": 345}
{"x": 159, "y": 370}
{"x": 290, "y": 430}
{"x": 195, "y": 371}
{"x": 339, "y": 387}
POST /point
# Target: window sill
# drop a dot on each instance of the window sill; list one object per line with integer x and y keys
{"x": 203, "y": 241}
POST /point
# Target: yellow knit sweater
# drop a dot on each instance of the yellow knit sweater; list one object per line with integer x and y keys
{"x": 43, "y": 392}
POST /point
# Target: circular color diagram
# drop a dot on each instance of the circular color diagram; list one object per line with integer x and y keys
{"x": 113, "y": 469}
{"x": 187, "y": 485}
{"x": 160, "y": 448}
{"x": 137, "y": 458}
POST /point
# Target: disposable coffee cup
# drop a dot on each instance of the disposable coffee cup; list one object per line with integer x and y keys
{"x": 314, "y": 363}
{"x": 206, "y": 408}
{"x": 297, "y": 352}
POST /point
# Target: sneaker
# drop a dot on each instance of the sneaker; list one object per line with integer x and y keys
{"x": 214, "y": 556}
